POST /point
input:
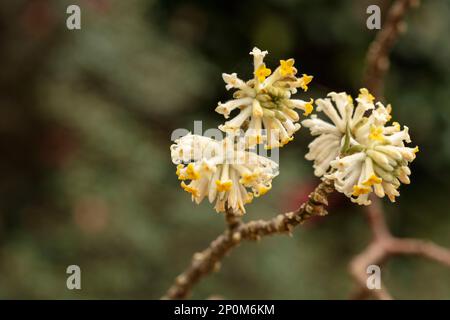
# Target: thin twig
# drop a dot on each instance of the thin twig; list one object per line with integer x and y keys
{"x": 209, "y": 260}
{"x": 384, "y": 244}
{"x": 377, "y": 59}
{"x": 374, "y": 254}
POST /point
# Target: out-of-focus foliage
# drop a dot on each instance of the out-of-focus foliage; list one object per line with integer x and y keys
{"x": 85, "y": 123}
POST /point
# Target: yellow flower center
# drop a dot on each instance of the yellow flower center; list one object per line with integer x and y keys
{"x": 373, "y": 179}
{"x": 396, "y": 125}
{"x": 376, "y": 133}
{"x": 262, "y": 72}
{"x": 189, "y": 174}
{"x": 286, "y": 140}
{"x": 189, "y": 189}
{"x": 248, "y": 178}
{"x": 304, "y": 81}
{"x": 287, "y": 67}
{"x": 365, "y": 95}
{"x": 224, "y": 185}
{"x": 262, "y": 190}
{"x": 359, "y": 190}
{"x": 350, "y": 99}
{"x": 250, "y": 198}
{"x": 309, "y": 107}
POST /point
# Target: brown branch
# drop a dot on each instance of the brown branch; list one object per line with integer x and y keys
{"x": 232, "y": 219}
{"x": 422, "y": 248}
{"x": 377, "y": 59}
{"x": 209, "y": 260}
{"x": 374, "y": 254}
{"x": 384, "y": 246}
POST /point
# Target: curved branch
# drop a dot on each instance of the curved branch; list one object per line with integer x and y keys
{"x": 209, "y": 260}
{"x": 377, "y": 58}
{"x": 383, "y": 246}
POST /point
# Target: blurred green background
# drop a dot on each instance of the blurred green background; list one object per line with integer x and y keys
{"x": 85, "y": 122}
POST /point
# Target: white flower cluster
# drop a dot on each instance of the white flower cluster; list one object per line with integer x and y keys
{"x": 220, "y": 171}
{"x": 229, "y": 172}
{"x": 360, "y": 152}
{"x": 265, "y": 103}
{"x": 357, "y": 148}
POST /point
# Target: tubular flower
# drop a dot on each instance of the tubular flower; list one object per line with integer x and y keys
{"x": 221, "y": 172}
{"x": 339, "y": 108}
{"x": 361, "y": 153}
{"x": 264, "y": 102}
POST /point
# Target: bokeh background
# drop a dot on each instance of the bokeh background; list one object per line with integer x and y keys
{"x": 85, "y": 122}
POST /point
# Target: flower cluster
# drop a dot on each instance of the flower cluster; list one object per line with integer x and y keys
{"x": 229, "y": 172}
{"x": 221, "y": 172}
{"x": 264, "y": 102}
{"x": 360, "y": 152}
{"x": 359, "y": 149}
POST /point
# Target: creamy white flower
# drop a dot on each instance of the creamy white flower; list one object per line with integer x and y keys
{"x": 360, "y": 152}
{"x": 222, "y": 172}
{"x": 266, "y": 110}
{"x": 344, "y": 116}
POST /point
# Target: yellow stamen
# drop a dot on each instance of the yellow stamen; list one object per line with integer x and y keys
{"x": 365, "y": 95}
{"x": 178, "y": 172}
{"x": 262, "y": 190}
{"x": 262, "y": 72}
{"x": 416, "y": 149}
{"x": 286, "y": 141}
{"x": 359, "y": 190}
{"x": 224, "y": 185}
{"x": 304, "y": 81}
{"x": 189, "y": 189}
{"x": 287, "y": 67}
{"x": 373, "y": 179}
{"x": 350, "y": 99}
{"x": 376, "y": 133}
{"x": 389, "y": 108}
{"x": 248, "y": 178}
{"x": 396, "y": 125}
{"x": 250, "y": 198}
{"x": 309, "y": 107}
{"x": 189, "y": 174}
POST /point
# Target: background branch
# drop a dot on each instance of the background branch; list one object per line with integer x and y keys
{"x": 384, "y": 245}
{"x": 377, "y": 58}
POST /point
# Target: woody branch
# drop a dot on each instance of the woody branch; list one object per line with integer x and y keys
{"x": 209, "y": 259}
{"x": 384, "y": 245}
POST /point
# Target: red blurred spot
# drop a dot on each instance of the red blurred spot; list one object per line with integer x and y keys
{"x": 38, "y": 18}
{"x": 91, "y": 215}
{"x": 101, "y": 6}
{"x": 57, "y": 147}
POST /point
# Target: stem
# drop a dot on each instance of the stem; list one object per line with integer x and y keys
{"x": 203, "y": 263}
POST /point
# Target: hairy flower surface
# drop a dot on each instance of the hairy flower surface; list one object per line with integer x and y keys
{"x": 264, "y": 102}
{"x": 222, "y": 172}
{"x": 360, "y": 152}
